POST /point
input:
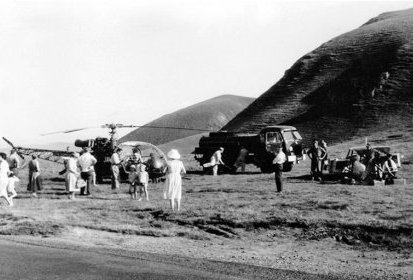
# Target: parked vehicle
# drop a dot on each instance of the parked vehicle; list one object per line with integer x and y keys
{"x": 337, "y": 166}
{"x": 260, "y": 147}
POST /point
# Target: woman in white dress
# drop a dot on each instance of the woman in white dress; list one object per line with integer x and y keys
{"x": 71, "y": 174}
{"x": 173, "y": 186}
{"x": 4, "y": 177}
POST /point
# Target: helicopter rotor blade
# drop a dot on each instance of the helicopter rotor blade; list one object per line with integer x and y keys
{"x": 69, "y": 131}
{"x": 167, "y": 127}
{"x": 13, "y": 147}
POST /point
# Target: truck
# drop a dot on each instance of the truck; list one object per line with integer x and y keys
{"x": 261, "y": 147}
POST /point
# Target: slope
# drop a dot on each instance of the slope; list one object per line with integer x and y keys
{"x": 338, "y": 91}
{"x": 211, "y": 114}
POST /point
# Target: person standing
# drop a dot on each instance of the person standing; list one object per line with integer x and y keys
{"x": 241, "y": 159}
{"x": 173, "y": 184}
{"x": 323, "y": 158}
{"x": 71, "y": 174}
{"x": 11, "y": 187}
{"x": 314, "y": 154}
{"x": 115, "y": 163}
{"x": 143, "y": 180}
{"x": 278, "y": 162}
{"x": 14, "y": 162}
{"x": 4, "y": 178}
{"x": 86, "y": 164}
{"x": 136, "y": 157}
{"x": 35, "y": 184}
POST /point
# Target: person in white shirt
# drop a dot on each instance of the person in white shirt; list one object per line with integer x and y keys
{"x": 86, "y": 162}
{"x": 115, "y": 163}
{"x": 4, "y": 178}
{"x": 11, "y": 187}
{"x": 278, "y": 162}
{"x": 71, "y": 174}
{"x": 215, "y": 161}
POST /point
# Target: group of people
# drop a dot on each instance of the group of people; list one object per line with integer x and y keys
{"x": 370, "y": 166}
{"x": 80, "y": 175}
{"x": 138, "y": 175}
{"x": 9, "y": 171}
{"x": 216, "y": 160}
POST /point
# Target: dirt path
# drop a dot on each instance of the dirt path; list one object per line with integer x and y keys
{"x": 20, "y": 260}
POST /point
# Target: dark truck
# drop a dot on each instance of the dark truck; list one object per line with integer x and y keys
{"x": 260, "y": 147}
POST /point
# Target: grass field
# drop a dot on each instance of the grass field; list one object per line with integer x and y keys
{"x": 231, "y": 209}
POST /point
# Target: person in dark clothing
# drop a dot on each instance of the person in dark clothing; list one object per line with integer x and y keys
{"x": 315, "y": 153}
{"x": 278, "y": 162}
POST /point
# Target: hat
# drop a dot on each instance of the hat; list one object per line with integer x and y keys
{"x": 221, "y": 148}
{"x": 174, "y": 154}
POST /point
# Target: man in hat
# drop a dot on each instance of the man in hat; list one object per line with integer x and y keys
{"x": 86, "y": 164}
{"x": 115, "y": 163}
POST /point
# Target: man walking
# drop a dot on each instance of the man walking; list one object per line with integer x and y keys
{"x": 241, "y": 159}
{"x": 278, "y": 162}
{"x": 86, "y": 164}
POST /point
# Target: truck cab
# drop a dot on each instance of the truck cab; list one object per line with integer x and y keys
{"x": 273, "y": 137}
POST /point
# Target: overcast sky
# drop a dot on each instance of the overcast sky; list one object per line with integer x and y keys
{"x": 68, "y": 64}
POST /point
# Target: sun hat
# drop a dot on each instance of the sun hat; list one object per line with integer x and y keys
{"x": 174, "y": 154}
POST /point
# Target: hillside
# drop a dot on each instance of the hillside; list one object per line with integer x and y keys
{"x": 337, "y": 91}
{"x": 185, "y": 145}
{"x": 211, "y": 114}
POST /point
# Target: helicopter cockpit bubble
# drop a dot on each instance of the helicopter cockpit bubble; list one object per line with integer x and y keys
{"x": 84, "y": 143}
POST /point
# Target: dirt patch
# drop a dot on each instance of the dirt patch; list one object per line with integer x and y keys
{"x": 12, "y": 225}
{"x": 396, "y": 239}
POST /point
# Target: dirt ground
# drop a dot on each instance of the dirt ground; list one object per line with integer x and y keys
{"x": 328, "y": 229}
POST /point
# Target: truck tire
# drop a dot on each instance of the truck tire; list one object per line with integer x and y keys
{"x": 287, "y": 167}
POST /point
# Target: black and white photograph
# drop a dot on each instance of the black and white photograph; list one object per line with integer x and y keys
{"x": 206, "y": 139}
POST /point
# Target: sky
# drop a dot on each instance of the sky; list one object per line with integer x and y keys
{"x": 83, "y": 63}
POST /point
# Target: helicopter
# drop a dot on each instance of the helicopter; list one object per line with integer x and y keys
{"x": 102, "y": 149}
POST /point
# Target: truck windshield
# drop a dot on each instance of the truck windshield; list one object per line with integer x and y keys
{"x": 296, "y": 135}
{"x": 274, "y": 137}
{"x": 291, "y": 136}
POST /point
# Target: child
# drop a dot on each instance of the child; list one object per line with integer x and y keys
{"x": 133, "y": 181}
{"x": 11, "y": 187}
{"x": 143, "y": 179}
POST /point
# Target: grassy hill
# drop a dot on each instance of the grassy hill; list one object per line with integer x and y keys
{"x": 184, "y": 145}
{"x": 333, "y": 92}
{"x": 211, "y": 114}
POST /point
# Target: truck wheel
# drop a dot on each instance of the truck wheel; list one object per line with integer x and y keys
{"x": 287, "y": 167}
{"x": 267, "y": 168}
